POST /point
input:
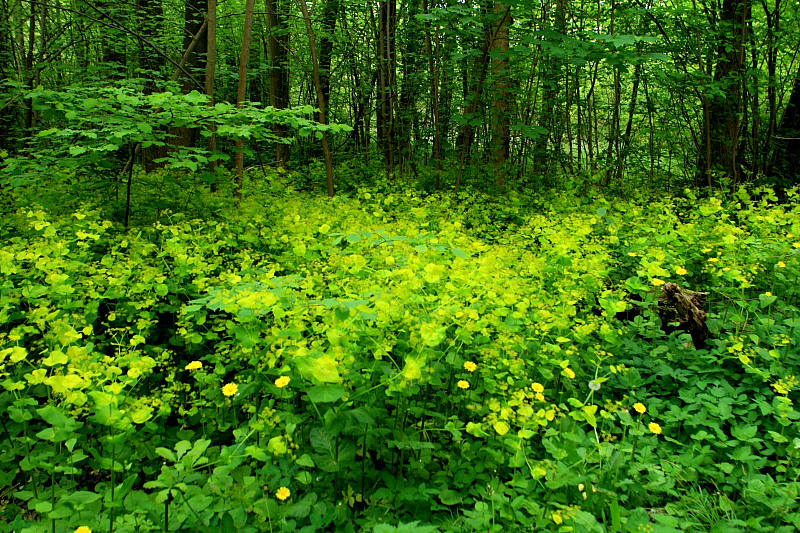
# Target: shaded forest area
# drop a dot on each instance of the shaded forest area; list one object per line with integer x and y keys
{"x": 630, "y": 93}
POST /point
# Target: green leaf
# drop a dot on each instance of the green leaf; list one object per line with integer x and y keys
{"x": 166, "y": 453}
{"x": 54, "y": 416}
{"x": 62, "y": 384}
{"x": 323, "y": 368}
{"x": 326, "y": 393}
{"x": 412, "y": 370}
{"x": 305, "y": 460}
{"x": 80, "y": 498}
{"x": 450, "y": 497}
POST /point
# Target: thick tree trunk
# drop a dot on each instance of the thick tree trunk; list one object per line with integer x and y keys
{"x": 724, "y": 112}
{"x": 787, "y": 143}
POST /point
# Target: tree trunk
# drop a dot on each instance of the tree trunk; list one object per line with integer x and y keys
{"x": 211, "y": 68}
{"x": 387, "y": 68}
{"x": 193, "y": 61}
{"x": 551, "y": 79}
{"x": 244, "y": 59}
{"x": 278, "y": 44}
{"x": 473, "y": 94}
{"x": 434, "y": 51}
{"x": 330, "y": 12}
{"x": 312, "y": 43}
{"x": 724, "y": 127}
{"x": 8, "y": 112}
{"x": 787, "y": 143}
{"x": 407, "y": 115}
{"x": 501, "y": 98}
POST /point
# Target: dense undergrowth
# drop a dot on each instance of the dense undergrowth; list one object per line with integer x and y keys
{"x": 390, "y": 360}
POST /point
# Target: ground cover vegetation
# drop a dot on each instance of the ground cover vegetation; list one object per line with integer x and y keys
{"x": 475, "y": 330}
{"x": 393, "y": 360}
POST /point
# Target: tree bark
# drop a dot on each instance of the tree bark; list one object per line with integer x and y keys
{"x": 244, "y": 59}
{"x": 211, "y": 68}
{"x": 551, "y": 78}
{"x": 312, "y": 43}
{"x": 724, "y": 126}
{"x": 387, "y": 80}
{"x": 330, "y": 12}
{"x": 278, "y": 45}
{"x": 787, "y": 142}
{"x": 434, "y": 51}
{"x": 502, "y": 98}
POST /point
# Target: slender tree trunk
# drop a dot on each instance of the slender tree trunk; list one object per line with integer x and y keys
{"x": 330, "y": 13}
{"x": 8, "y": 113}
{"x": 30, "y": 74}
{"x": 551, "y": 79}
{"x": 312, "y": 43}
{"x": 150, "y": 24}
{"x": 407, "y": 115}
{"x": 502, "y": 97}
{"x": 211, "y": 69}
{"x": 193, "y": 60}
{"x": 278, "y": 44}
{"x": 244, "y": 59}
{"x": 473, "y": 96}
{"x": 625, "y": 143}
{"x": 434, "y": 51}
{"x": 387, "y": 80}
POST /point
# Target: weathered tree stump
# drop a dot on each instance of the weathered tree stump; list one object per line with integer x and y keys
{"x": 685, "y": 307}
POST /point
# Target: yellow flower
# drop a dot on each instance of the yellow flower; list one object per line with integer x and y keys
{"x": 655, "y": 428}
{"x": 658, "y": 282}
{"x": 283, "y": 493}
{"x": 767, "y": 294}
{"x": 796, "y": 245}
{"x": 470, "y": 366}
{"x": 282, "y": 381}
{"x": 569, "y": 373}
{"x": 781, "y": 264}
{"x": 230, "y": 389}
{"x": 463, "y": 384}
{"x": 537, "y": 387}
{"x": 539, "y": 397}
{"x": 194, "y": 365}
{"x": 713, "y": 260}
{"x": 681, "y": 271}
{"x": 632, "y": 254}
{"x": 83, "y": 529}
{"x": 640, "y": 408}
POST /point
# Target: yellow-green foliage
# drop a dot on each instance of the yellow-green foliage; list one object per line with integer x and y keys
{"x": 313, "y": 364}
